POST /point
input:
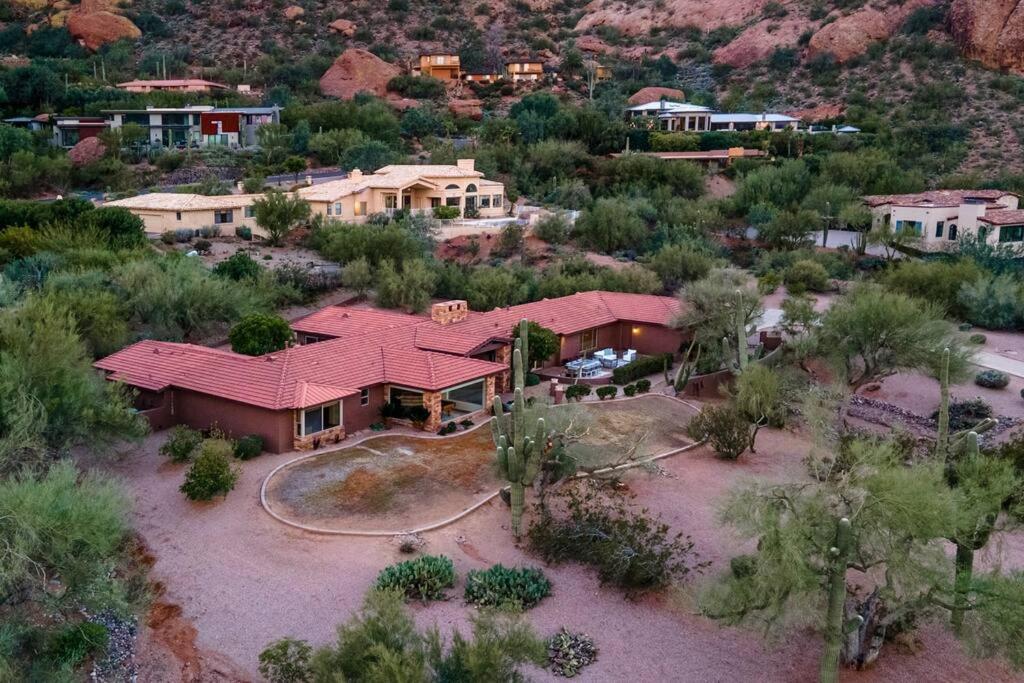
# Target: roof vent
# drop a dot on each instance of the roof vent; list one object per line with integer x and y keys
{"x": 270, "y": 359}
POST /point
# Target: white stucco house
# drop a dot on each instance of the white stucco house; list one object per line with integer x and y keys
{"x": 941, "y": 217}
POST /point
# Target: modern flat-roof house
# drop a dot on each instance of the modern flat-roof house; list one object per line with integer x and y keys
{"x": 712, "y": 158}
{"x": 670, "y": 116}
{"x": 31, "y": 123}
{"x": 940, "y": 217}
{"x": 762, "y": 121}
{"x": 196, "y": 125}
{"x": 524, "y": 70}
{"x": 171, "y": 85}
{"x": 414, "y": 188}
{"x": 350, "y": 362}
{"x": 482, "y": 77}
{"x": 443, "y": 66}
{"x": 68, "y": 131}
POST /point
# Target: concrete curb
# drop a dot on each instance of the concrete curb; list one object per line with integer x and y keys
{"x": 264, "y": 503}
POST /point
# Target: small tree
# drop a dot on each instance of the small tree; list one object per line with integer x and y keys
{"x": 358, "y": 276}
{"x": 717, "y": 306}
{"x": 543, "y": 343}
{"x": 725, "y": 428}
{"x": 295, "y": 165}
{"x": 212, "y": 472}
{"x": 260, "y": 333}
{"x": 758, "y": 397}
{"x": 277, "y": 213}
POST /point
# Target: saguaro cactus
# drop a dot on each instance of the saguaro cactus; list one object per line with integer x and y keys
{"x": 942, "y": 438}
{"x": 836, "y": 582}
{"x": 519, "y": 454}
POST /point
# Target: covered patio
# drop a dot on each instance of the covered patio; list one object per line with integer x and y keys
{"x": 438, "y": 407}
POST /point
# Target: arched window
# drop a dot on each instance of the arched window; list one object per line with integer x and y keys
{"x": 471, "y": 188}
{"x": 453, "y": 186}
{"x": 951, "y": 235}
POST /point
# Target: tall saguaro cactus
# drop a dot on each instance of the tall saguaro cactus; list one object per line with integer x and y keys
{"x": 942, "y": 438}
{"x": 836, "y": 585}
{"x": 519, "y": 453}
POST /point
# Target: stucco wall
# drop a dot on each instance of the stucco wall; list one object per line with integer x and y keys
{"x": 646, "y": 339}
{"x": 357, "y": 417}
{"x": 200, "y": 411}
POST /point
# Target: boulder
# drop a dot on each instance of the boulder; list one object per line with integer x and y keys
{"x": 656, "y": 94}
{"x": 293, "y": 12}
{"x": 592, "y": 44}
{"x": 849, "y": 36}
{"x": 991, "y": 31}
{"x": 96, "y": 29}
{"x": 343, "y": 27}
{"x": 86, "y": 152}
{"x": 820, "y": 112}
{"x": 633, "y": 20}
{"x": 470, "y": 108}
{"x": 759, "y": 41}
{"x": 357, "y": 71}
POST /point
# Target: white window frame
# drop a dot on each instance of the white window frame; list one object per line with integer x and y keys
{"x": 300, "y": 420}
{"x": 364, "y": 396}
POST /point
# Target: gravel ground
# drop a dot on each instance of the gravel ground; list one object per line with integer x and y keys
{"x": 118, "y": 664}
{"x": 244, "y": 580}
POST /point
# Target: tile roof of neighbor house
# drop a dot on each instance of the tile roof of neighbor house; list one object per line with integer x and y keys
{"x": 177, "y": 201}
{"x": 740, "y": 117}
{"x": 1004, "y": 217}
{"x": 389, "y": 177}
{"x": 936, "y": 197}
{"x": 173, "y": 83}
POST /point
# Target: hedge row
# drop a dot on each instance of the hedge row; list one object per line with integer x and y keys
{"x": 641, "y": 367}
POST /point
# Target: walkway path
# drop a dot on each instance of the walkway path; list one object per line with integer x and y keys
{"x": 994, "y": 361}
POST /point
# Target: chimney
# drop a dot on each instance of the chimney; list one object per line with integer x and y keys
{"x": 466, "y": 164}
{"x": 309, "y": 180}
{"x": 355, "y": 174}
{"x": 449, "y": 312}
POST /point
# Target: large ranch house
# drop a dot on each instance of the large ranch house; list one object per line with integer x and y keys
{"x": 412, "y": 188}
{"x": 351, "y": 362}
{"x": 940, "y": 217}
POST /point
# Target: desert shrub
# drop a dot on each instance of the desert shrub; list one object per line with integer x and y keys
{"x": 73, "y": 643}
{"x": 569, "y": 652}
{"x": 806, "y": 275}
{"x": 607, "y": 392}
{"x": 677, "y": 264}
{"x": 446, "y": 212}
{"x": 992, "y": 379}
{"x": 643, "y": 386}
{"x": 627, "y": 547}
{"x": 993, "y": 302}
{"x": 184, "y": 234}
{"x": 769, "y": 282}
{"x": 260, "y": 333}
{"x": 238, "y": 266}
{"x": 211, "y": 473}
{"x": 208, "y": 231}
{"x": 248, "y": 447}
{"x": 724, "y": 427}
{"x": 553, "y": 228}
{"x": 518, "y": 588}
{"x": 531, "y": 379}
{"x": 576, "y": 392}
{"x": 424, "y": 578}
{"x": 167, "y": 237}
{"x": 181, "y": 444}
{"x": 966, "y": 414}
{"x": 244, "y": 233}
{"x": 286, "y": 661}
{"x": 977, "y": 338}
{"x": 641, "y": 367}
{"x": 629, "y": 390}
{"x": 202, "y": 246}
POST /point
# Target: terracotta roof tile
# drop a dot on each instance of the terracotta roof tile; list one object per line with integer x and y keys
{"x": 937, "y": 197}
{"x": 1005, "y": 217}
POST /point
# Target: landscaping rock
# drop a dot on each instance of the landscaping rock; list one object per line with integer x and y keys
{"x": 293, "y": 12}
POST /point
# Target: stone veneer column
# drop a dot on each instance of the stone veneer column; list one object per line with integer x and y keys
{"x": 432, "y": 402}
{"x": 489, "y": 393}
{"x": 503, "y": 355}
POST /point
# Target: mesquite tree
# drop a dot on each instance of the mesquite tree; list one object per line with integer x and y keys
{"x": 519, "y": 446}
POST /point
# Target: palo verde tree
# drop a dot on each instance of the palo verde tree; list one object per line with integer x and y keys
{"x": 871, "y": 333}
{"x": 519, "y": 452}
{"x": 717, "y": 307}
{"x": 277, "y": 213}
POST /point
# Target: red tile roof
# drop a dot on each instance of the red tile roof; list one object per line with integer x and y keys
{"x": 937, "y": 197}
{"x": 1006, "y": 217}
{"x": 371, "y": 347}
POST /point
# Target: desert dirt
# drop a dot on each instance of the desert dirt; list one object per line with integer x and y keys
{"x": 242, "y": 579}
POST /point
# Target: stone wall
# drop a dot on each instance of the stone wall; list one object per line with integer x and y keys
{"x": 432, "y": 402}
{"x": 313, "y": 441}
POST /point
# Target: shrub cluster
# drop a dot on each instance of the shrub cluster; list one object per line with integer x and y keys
{"x": 518, "y": 588}
{"x": 607, "y": 392}
{"x": 966, "y": 414}
{"x": 724, "y": 427}
{"x": 640, "y": 368}
{"x": 628, "y": 548}
{"x": 212, "y": 472}
{"x": 576, "y": 392}
{"x": 248, "y": 447}
{"x": 992, "y": 379}
{"x": 569, "y": 652}
{"x": 73, "y": 643}
{"x": 424, "y": 578}
{"x": 643, "y": 386}
{"x": 181, "y": 444}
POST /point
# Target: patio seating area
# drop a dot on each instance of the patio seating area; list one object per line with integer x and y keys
{"x": 601, "y": 362}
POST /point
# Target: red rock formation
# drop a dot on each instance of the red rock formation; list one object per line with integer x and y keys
{"x": 654, "y": 94}
{"x": 343, "y": 26}
{"x": 293, "y": 12}
{"x": 99, "y": 28}
{"x": 467, "y": 107}
{"x": 759, "y": 41}
{"x": 991, "y": 31}
{"x": 818, "y": 113}
{"x": 87, "y": 151}
{"x": 849, "y": 36}
{"x": 357, "y": 71}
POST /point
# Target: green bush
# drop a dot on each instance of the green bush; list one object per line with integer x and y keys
{"x": 500, "y": 586}
{"x": 248, "y": 447}
{"x": 977, "y": 338}
{"x": 725, "y": 429}
{"x": 993, "y": 302}
{"x": 286, "y": 661}
{"x": 629, "y": 390}
{"x": 966, "y": 414}
{"x": 244, "y": 233}
{"x": 769, "y": 282}
{"x": 607, "y": 392}
{"x": 238, "y": 266}
{"x": 73, "y": 643}
{"x": 628, "y": 548}
{"x": 992, "y": 379}
{"x": 181, "y": 444}
{"x": 553, "y": 229}
{"x": 576, "y": 392}
{"x": 643, "y": 386}
{"x": 446, "y": 212}
{"x": 569, "y": 652}
{"x": 531, "y": 379}
{"x": 167, "y": 237}
{"x": 806, "y": 275}
{"x": 260, "y": 333}
{"x": 424, "y": 578}
{"x": 641, "y": 367}
{"x": 211, "y": 473}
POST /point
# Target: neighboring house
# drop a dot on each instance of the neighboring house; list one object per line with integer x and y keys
{"x": 762, "y": 121}
{"x": 524, "y": 70}
{"x": 481, "y": 77}
{"x": 670, "y": 116}
{"x": 413, "y": 188}
{"x": 940, "y": 217}
{"x": 444, "y": 67}
{"x": 171, "y": 85}
{"x": 197, "y": 125}
{"x": 602, "y": 73}
{"x": 163, "y": 211}
{"x": 711, "y": 158}
{"x": 352, "y": 361}
{"x": 30, "y": 123}
{"x": 68, "y": 131}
